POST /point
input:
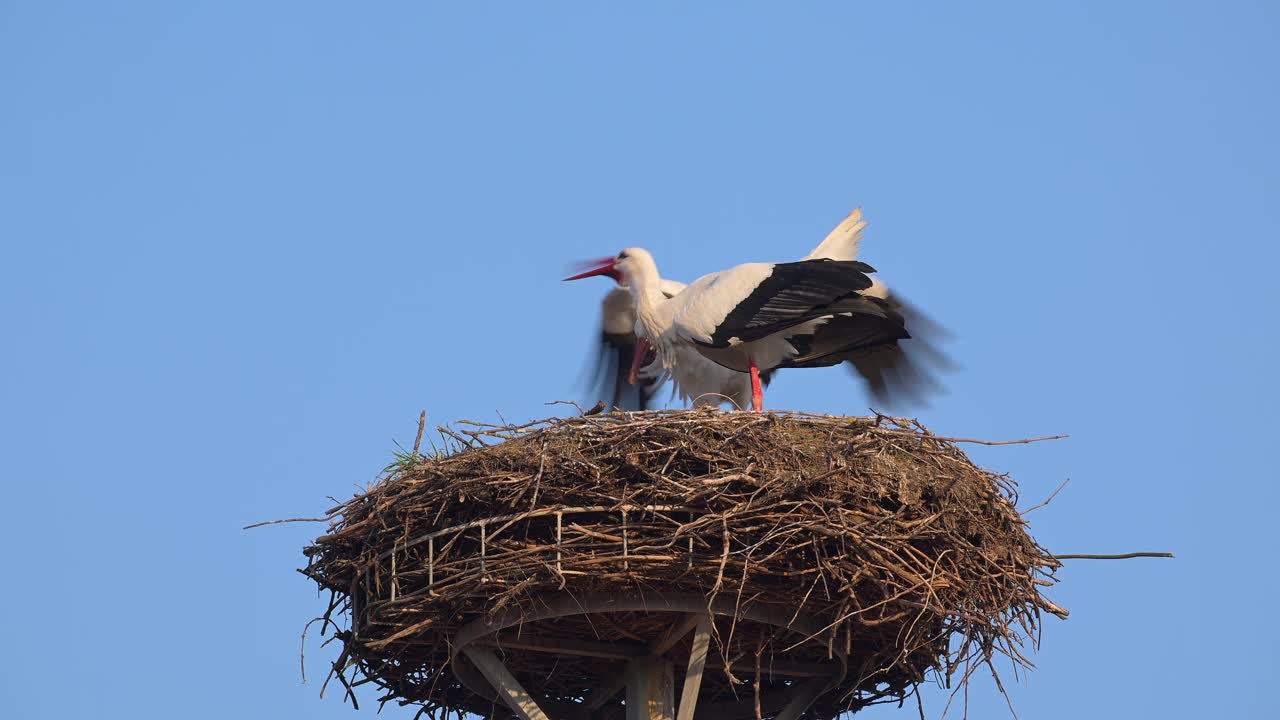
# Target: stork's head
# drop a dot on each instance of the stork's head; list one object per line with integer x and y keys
{"x": 624, "y": 268}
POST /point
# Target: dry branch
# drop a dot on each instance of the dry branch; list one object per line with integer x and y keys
{"x": 1118, "y": 556}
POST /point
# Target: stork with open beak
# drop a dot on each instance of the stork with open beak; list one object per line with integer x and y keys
{"x": 763, "y": 316}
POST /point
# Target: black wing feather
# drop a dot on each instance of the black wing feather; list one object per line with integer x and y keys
{"x": 792, "y": 294}
{"x": 896, "y": 374}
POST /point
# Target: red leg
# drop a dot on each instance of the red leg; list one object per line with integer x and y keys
{"x": 642, "y": 349}
{"x": 757, "y": 394}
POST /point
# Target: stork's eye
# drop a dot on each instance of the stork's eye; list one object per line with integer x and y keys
{"x": 622, "y": 255}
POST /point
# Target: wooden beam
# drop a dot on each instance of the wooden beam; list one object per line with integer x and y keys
{"x": 566, "y": 646}
{"x": 650, "y": 690}
{"x": 557, "y": 605}
{"x": 509, "y": 689}
{"x": 803, "y": 698}
{"x": 673, "y": 635}
{"x": 697, "y": 663}
{"x": 788, "y": 668}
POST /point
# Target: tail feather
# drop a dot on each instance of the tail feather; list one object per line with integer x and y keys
{"x": 843, "y": 242}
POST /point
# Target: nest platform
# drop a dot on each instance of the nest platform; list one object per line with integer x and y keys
{"x": 679, "y": 564}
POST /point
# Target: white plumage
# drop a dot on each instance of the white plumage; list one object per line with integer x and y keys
{"x": 759, "y": 315}
{"x": 696, "y": 379}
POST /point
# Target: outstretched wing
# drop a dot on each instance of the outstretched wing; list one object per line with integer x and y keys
{"x": 897, "y": 374}
{"x": 610, "y": 379}
{"x": 906, "y": 374}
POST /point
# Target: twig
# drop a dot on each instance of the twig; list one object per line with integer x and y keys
{"x": 567, "y": 402}
{"x": 1122, "y": 556}
{"x": 1049, "y": 499}
{"x": 417, "y": 441}
{"x": 1023, "y": 441}
{"x": 302, "y": 650}
{"x": 463, "y": 441}
{"x": 277, "y": 522}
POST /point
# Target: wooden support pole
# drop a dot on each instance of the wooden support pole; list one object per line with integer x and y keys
{"x": 650, "y": 690}
{"x": 661, "y": 645}
{"x": 509, "y": 689}
{"x": 697, "y": 663}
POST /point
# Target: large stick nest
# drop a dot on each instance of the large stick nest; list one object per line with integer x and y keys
{"x": 896, "y": 556}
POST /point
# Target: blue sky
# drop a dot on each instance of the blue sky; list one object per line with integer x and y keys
{"x": 242, "y": 245}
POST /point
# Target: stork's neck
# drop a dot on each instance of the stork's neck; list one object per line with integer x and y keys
{"x": 646, "y": 290}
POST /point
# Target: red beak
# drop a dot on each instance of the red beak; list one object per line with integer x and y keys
{"x": 603, "y": 266}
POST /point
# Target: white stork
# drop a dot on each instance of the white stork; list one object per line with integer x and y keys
{"x": 697, "y": 380}
{"x": 763, "y": 316}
